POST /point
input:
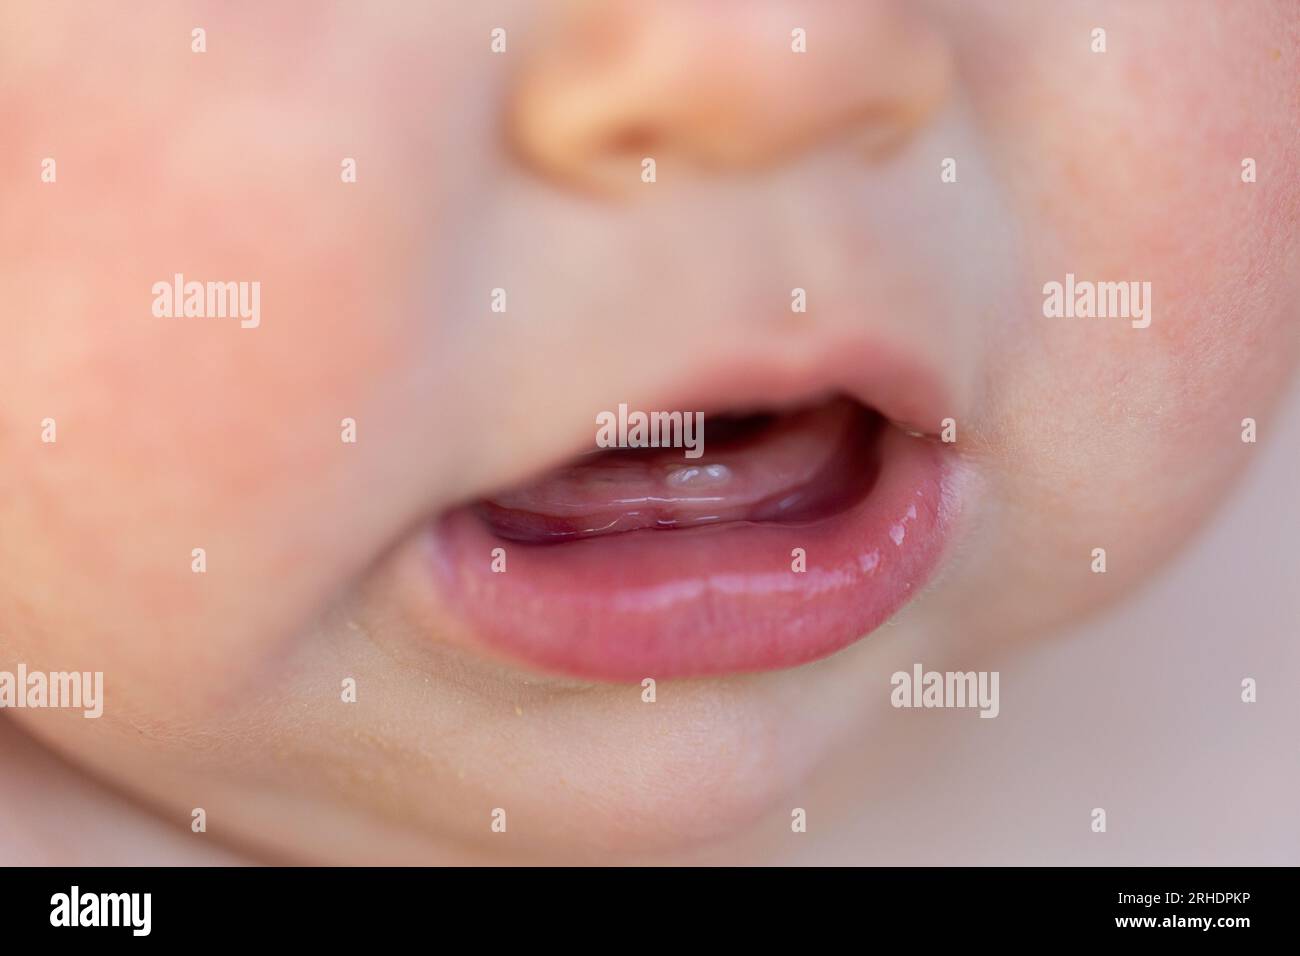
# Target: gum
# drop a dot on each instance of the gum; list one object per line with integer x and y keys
{"x": 802, "y": 462}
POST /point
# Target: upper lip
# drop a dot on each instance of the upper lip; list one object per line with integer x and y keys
{"x": 902, "y": 387}
{"x": 885, "y": 376}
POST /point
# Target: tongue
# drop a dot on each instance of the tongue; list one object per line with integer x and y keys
{"x": 802, "y": 466}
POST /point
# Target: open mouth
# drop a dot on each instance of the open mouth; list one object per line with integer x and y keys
{"x": 793, "y": 467}
{"x": 799, "y": 530}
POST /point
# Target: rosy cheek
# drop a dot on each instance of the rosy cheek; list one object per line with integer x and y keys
{"x": 1173, "y": 210}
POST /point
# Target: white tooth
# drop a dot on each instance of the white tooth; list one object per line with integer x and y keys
{"x": 907, "y": 428}
{"x": 699, "y": 476}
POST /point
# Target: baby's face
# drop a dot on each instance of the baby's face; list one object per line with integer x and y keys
{"x": 512, "y": 678}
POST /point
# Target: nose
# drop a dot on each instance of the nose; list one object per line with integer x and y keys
{"x": 711, "y": 87}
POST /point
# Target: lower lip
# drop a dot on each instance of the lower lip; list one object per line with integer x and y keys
{"x": 719, "y": 599}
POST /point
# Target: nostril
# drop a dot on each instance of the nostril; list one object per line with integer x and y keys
{"x": 633, "y": 140}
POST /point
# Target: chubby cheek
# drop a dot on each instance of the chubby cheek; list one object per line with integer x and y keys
{"x": 174, "y": 435}
{"x": 1105, "y": 435}
{"x": 183, "y": 433}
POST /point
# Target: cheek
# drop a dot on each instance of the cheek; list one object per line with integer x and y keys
{"x": 1128, "y": 164}
{"x": 1107, "y": 435}
{"x": 177, "y": 433}
{"x": 1220, "y": 257}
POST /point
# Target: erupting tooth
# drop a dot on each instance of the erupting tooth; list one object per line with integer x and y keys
{"x": 699, "y": 476}
{"x": 907, "y": 429}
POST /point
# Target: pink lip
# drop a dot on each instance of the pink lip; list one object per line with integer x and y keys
{"x": 709, "y": 600}
{"x": 712, "y": 599}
